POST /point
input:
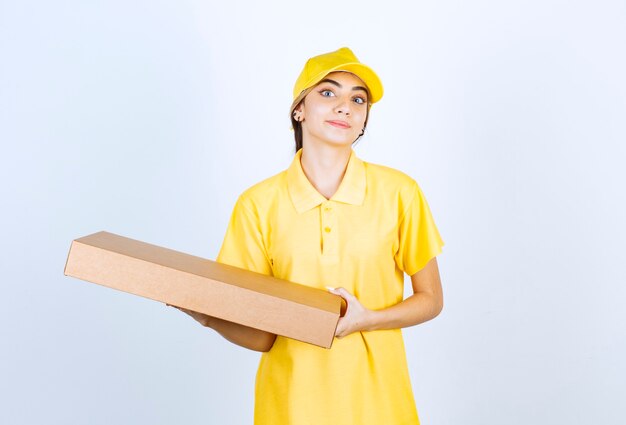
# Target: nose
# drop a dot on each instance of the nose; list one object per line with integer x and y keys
{"x": 342, "y": 107}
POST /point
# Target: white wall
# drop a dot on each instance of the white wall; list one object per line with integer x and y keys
{"x": 148, "y": 118}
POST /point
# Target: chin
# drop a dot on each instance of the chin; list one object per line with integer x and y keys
{"x": 339, "y": 143}
{"x": 335, "y": 139}
{"x": 342, "y": 140}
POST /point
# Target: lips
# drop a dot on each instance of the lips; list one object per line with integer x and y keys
{"x": 339, "y": 124}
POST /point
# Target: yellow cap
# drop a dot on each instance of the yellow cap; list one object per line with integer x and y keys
{"x": 317, "y": 67}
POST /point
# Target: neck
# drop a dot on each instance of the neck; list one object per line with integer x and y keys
{"x": 325, "y": 166}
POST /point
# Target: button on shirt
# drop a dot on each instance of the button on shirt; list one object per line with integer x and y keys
{"x": 373, "y": 230}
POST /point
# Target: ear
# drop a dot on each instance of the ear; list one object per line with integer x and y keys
{"x": 299, "y": 110}
{"x": 297, "y": 113}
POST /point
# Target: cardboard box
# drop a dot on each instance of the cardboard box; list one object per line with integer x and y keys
{"x": 237, "y": 295}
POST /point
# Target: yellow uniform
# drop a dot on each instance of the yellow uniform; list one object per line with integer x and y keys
{"x": 375, "y": 228}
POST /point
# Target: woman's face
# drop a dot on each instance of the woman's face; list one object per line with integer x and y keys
{"x": 334, "y": 111}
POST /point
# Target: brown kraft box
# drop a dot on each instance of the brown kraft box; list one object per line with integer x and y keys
{"x": 230, "y": 293}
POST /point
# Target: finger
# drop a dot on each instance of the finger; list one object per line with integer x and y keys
{"x": 344, "y": 302}
{"x": 333, "y": 290}
{"x": 343, "y": 293}
{"x": 184, "y": 310}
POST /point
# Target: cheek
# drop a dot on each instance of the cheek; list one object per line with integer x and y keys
{"x": 360, "y": 118}
{"x": 317, "y": 110}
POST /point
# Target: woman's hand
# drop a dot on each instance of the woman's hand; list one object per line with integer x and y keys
{"x": 357, "y": 317}
{"x": 425, "y": 304}
{"x": 203, "y": 319}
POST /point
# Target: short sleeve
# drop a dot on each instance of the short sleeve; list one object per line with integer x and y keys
{"x": 419, "y": 239}
{"x": 243, "y": 243}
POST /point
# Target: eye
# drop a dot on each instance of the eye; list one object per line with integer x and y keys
{"x": 326, "y": 93}
{"x": 359, "y": 100}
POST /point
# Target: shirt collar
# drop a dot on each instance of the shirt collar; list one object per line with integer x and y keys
{"x": 304, "y": 196}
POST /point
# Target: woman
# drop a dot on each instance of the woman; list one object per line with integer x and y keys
{"x": 331, "y": 220}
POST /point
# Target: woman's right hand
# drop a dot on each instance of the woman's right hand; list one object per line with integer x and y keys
{"x": 201, "y": 318}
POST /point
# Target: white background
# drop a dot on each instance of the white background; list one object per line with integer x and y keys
{"x": 147, "y": 119}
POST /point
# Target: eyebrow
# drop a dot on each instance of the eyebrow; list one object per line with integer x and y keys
{"x": 328, "y": 80}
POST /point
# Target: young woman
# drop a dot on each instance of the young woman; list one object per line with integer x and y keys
{"x": 334, "y": 221}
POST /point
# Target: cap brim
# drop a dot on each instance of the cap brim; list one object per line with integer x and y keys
{"x": 364, "y": 72}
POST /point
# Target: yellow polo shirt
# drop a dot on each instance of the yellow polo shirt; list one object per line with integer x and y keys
{"x": 375, "y": 228}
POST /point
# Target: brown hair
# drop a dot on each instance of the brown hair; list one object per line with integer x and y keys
{"x": 297, "y": 125}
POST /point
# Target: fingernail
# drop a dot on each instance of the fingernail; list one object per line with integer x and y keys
{"x": 330, "y": 288}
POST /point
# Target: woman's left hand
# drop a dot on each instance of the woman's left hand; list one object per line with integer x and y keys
{"x": 357, "y": 317}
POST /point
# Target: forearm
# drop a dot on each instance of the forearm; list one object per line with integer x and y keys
{"x": 418, "y": 308}
{"x": 244, "y": 336}
{"x": 425, "y": 304}
{"x": 253, "y": 339}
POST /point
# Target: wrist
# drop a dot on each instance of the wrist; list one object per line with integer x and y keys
{"x": 372, "y": 320}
